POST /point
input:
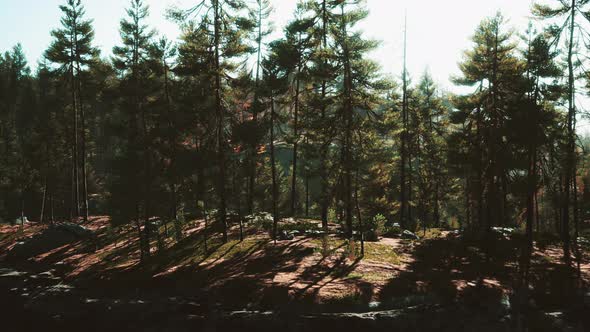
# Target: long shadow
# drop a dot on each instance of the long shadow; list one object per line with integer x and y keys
{"x": 443, "y": 267}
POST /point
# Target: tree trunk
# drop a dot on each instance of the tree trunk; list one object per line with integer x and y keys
{"x": 571, "y": 139}
{"x": 252, "y": 179}
{"x": 295, "y": 147}
{"x": 436, "y": 204}
{"x": 51, "y": 214}
{"x": 358, "y": 213}
{"x": 220, "y": 121}
{"x": 75, "y": 179}
{"x": 348, "y": 118}
{"x": 404, "y": 136}
{"x": 42, "y": 214}
{"x": 84, "y": 166}
{"x": 532, "y": 188}
{"x": 324, "y": 149}
{"x": 537, "y": 210}
{"x": 576, "y": 226}
{"x": 237, "y": 189}
{"x": 275, "y": 217}
{"x": 205, "y": 234}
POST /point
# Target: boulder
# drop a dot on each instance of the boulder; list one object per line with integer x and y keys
{"x": 504, "y": 231}
{"x": 285, "y": 236}
{"x": 77, "y": 230}
{"x": 21, "y": 220}
{"x": 51, "y": 238}
{"x": 406, "y": 234}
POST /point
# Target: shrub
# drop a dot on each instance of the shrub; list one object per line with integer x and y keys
{"x": 332, "y": 215}
{"x": 375, "y": 228}
{"x": 261, "y": 220}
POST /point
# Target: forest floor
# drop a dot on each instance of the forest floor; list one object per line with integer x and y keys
{"x": 311, "y": 274}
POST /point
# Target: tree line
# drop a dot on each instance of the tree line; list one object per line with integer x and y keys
{"x": 227, "y": 123}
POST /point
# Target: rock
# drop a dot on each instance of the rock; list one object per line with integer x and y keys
{"x": 406, "y": 234}
{"x": 75, "y": 229}
{"x": 285, "y": 236}
{"x": 21, "y": 220}
{"x": 504, "y": 231}
{"x": 51, "y": 238}
{"x": 259, "y": 218}
{"x": 314, "y": 232}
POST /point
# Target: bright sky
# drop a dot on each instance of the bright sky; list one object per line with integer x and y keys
{"x": 438, "y": 31}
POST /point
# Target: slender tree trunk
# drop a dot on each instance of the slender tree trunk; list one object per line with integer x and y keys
{"x": 404, "y": 137}
{"x": 436, "y": 204}
{"x": 237, "y": 189}
{"x": 205, "y": 230}
{"x": 480, "y": 176}
{"x": 220, "y": 120}
{"x": 22, "y": 209}
{"x": 537, "y": 210}
{"x": 51, "y": 215}
{"x": 410, "y": 190}
{"x": 307, "y": 195}
{"x": 83, "y": 143}
{"x": 468, "y": 204}
{"x": 358, "y": 213}
{"x": 324, "y": 149}
{"x": 532, "y": 188}
{"x": 295, "y": 147}
{"x": 348, "y": 109}
{"x": 275, "y": 194}
{"x": 42, "y": 214}
{"x": 83, "y": 135}
{"x": 252, "y": 178}
{"x": 72, "y": 205}
{"x": 576, "y": 226}
{"x": 147, "y": 182}
{"x": 570, "y": 139}
{"x": 76, "y": 183}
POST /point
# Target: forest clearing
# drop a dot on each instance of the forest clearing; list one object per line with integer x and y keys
{"x": 258, "y": 165}
{"x": 307, "y": 274}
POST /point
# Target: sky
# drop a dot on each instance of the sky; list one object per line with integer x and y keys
{"x": 438, "y": 31}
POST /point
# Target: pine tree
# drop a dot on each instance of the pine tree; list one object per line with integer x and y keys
{"x": 72, "y": 50}
{"x": 538, "y": 115}
{"x": 571, "y": 12}
{"x": 321, "y": 74}
{"x": 360, "y": 91}
{"x": 260, "y": 16}
{"x": 15, "y": 107}
{"x": 278, "y": 67}
{"x": 430, "y": 140}
{"x": 493, "y": 69}
{"x": 228, "y": 24}
{"x": 131, "y": 59}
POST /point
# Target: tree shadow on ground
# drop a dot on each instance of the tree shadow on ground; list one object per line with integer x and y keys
{"x": 447, "y": 267}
